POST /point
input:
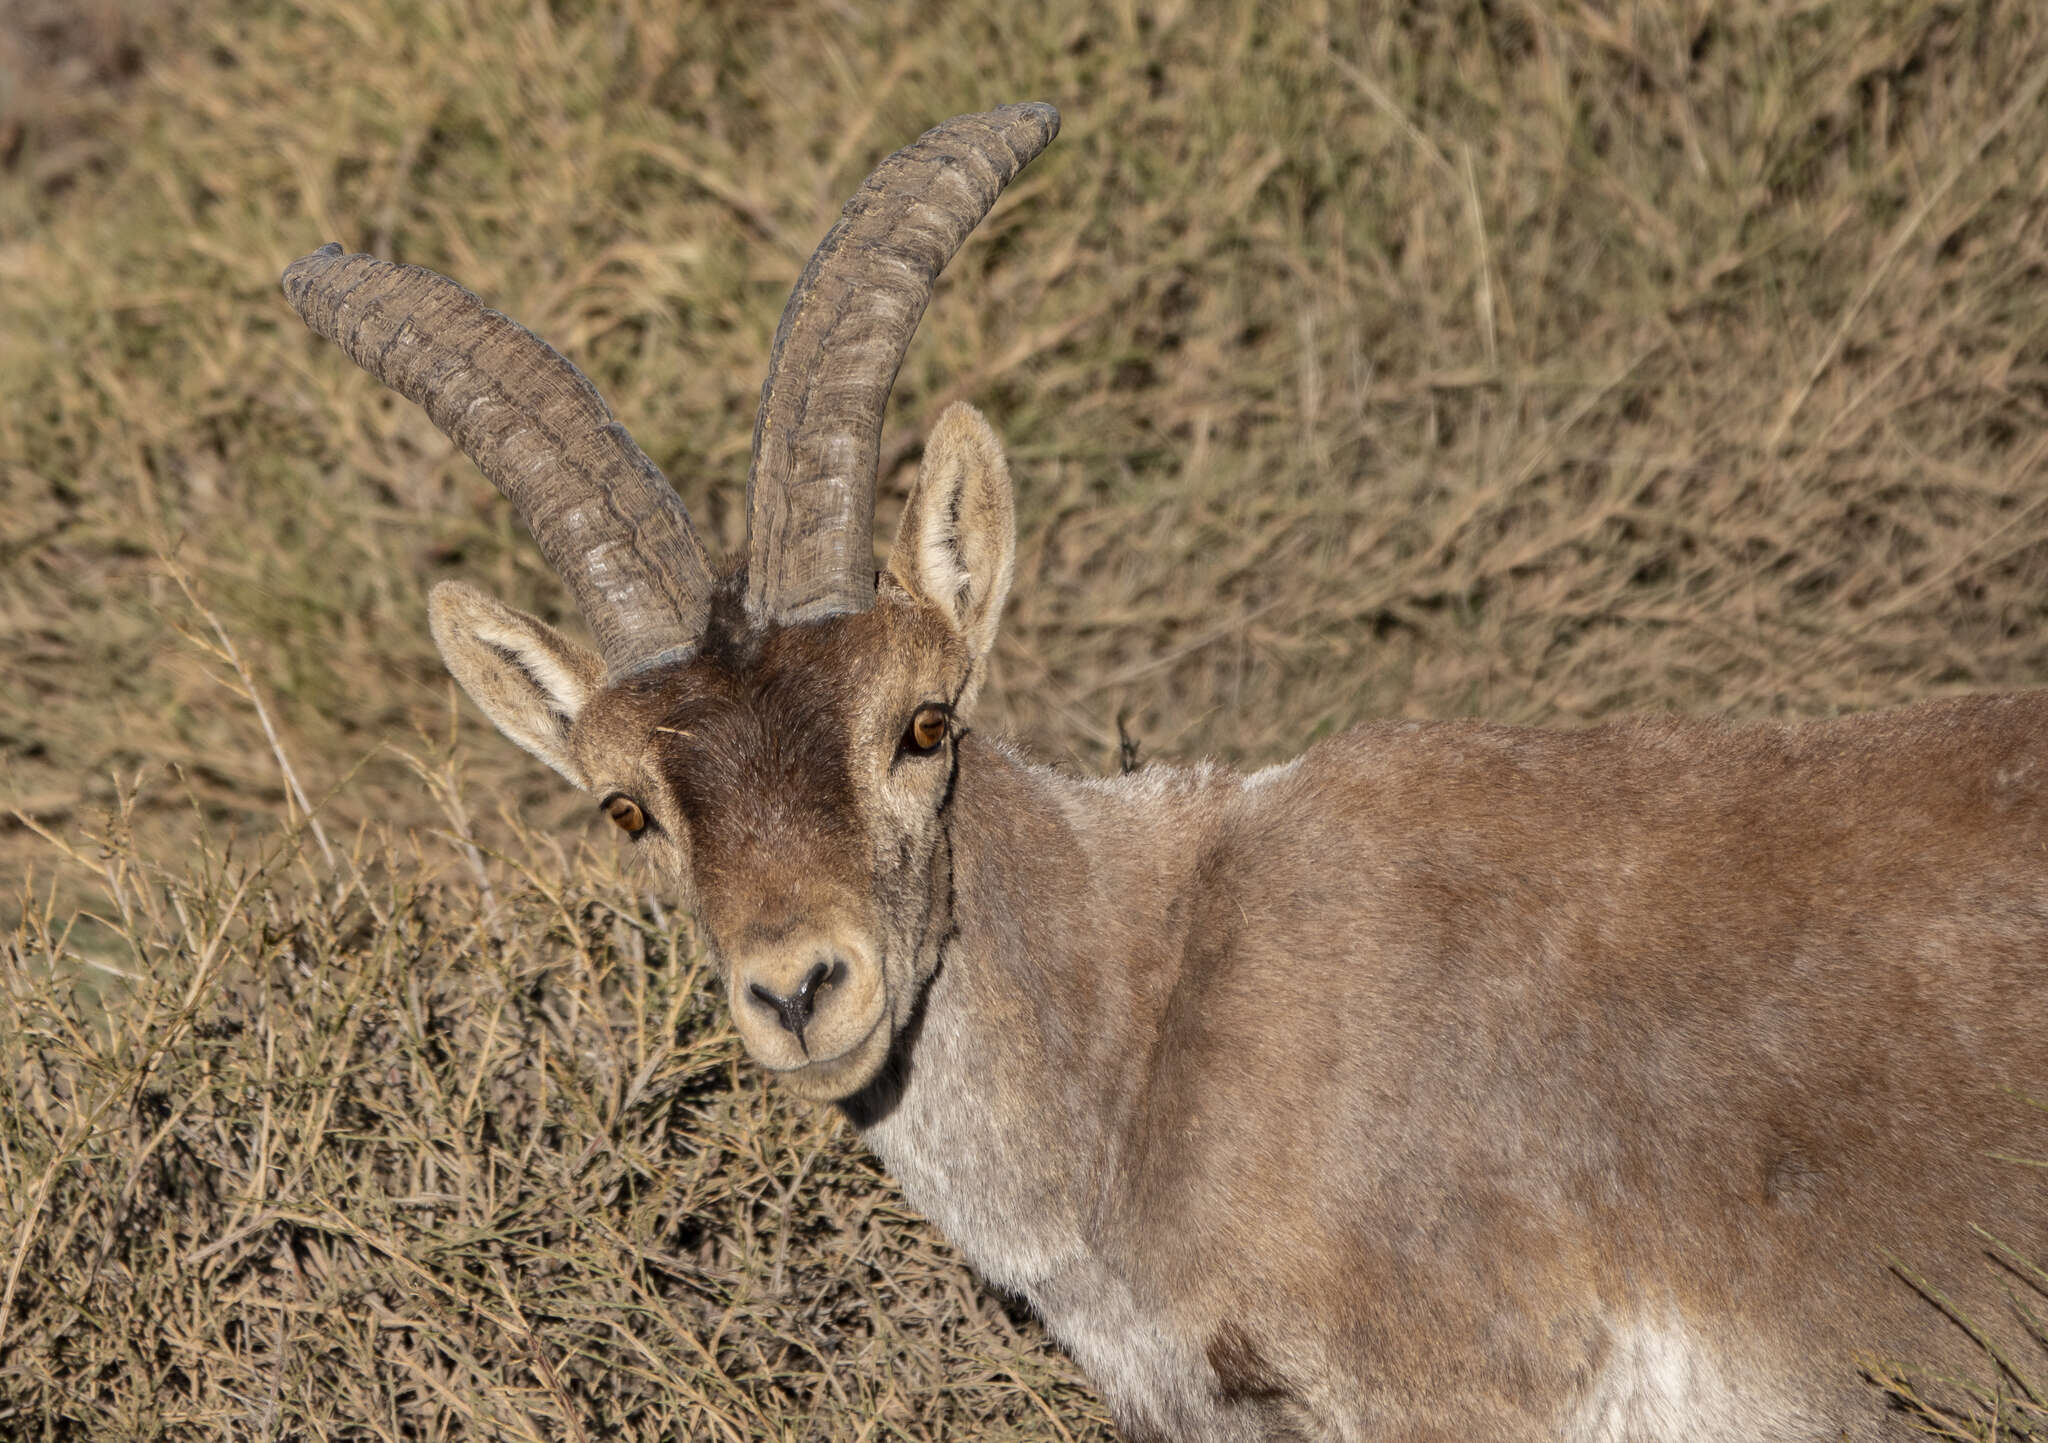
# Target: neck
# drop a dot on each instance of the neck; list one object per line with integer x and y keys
{"x": 1029, "y": 1062}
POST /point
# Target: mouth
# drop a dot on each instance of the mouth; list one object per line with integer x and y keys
{"x": 828, "y": 1079}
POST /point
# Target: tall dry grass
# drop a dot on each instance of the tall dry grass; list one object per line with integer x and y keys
{"x": 1523, "y": 360}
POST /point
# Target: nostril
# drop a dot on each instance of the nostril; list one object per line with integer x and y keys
{"x": 815, "y": 981}
{"x": 794, "y": 1012}
{"x": 779, "y": 1006}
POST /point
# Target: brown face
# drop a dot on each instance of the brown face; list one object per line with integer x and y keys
{"x": 793, "y": 780}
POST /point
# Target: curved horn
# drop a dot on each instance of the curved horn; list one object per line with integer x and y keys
{"x": 817, "y": 436}
{"x": 604, "y": 516}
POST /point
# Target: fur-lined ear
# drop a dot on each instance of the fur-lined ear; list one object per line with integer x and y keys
{"x": 528, "y": 678}
{"x": 957, "y": 544}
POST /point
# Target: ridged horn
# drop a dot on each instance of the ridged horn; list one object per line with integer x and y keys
{"x": 604, "y": 516}
{"x": 817, "y": 436}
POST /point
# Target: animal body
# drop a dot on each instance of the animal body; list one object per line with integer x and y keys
{"x": 1449, "y": 1082}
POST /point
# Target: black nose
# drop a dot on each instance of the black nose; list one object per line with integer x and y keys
{"x": 794, "y": 1011}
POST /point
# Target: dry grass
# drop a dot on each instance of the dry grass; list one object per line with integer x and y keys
{"x": 1532, "y": 361}
{"x": 363, "y": 1155}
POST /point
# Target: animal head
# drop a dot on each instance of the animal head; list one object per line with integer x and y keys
{"x": 779, "y": 734}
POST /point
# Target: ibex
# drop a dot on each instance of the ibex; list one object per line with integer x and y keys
{"x": 1451, "y": 1081}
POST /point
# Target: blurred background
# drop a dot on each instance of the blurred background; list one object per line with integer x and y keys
{"x": 1473, "y": 358}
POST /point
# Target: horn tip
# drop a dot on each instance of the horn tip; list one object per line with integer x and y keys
{"x": 1040, "y": 115}
{"x": 302, "y": 272}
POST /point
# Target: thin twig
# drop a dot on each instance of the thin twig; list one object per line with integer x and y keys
{"x": 229, "y": 654}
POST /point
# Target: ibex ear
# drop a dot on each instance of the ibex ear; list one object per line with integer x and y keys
{"x": 957, "y": 544}
{"x": 528, "y": 678}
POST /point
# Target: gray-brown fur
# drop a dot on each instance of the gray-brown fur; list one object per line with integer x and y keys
{"x": 1437, "y": 1066}
{"x": 1450, "y": 1082}
{"x": 1408, "y": 1090}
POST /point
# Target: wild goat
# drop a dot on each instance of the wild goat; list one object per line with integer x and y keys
{"x": 1449, "y": 1082}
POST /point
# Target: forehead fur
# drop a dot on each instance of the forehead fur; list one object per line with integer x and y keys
{"x": 769, "y": 717}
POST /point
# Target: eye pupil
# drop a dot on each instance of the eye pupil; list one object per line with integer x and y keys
{"x": 927, "y": 729}
{"x": 626, "y": 813}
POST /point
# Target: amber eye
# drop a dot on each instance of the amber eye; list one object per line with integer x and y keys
{"x": 626, "y": 813}
{"x": 927, "y": 730}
